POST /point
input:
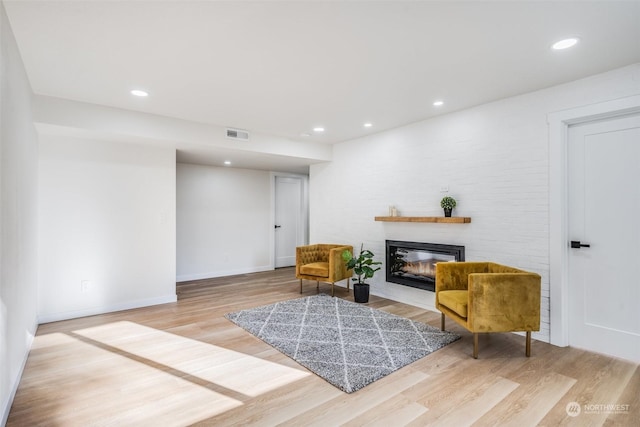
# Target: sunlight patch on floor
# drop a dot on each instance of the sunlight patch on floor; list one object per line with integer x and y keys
{"x": 141, "y": 375}
{"x": 232, "y": 370}
{"x": 129, "y": 392}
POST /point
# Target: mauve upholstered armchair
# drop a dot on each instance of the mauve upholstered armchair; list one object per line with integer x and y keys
{"x": 323, "y": 263}
{"x": 488, "y": 297}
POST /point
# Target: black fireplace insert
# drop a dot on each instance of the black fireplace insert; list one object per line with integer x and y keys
{"x": 414, "y": 263}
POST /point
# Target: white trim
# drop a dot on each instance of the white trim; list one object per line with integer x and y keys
{"x": 6, "y": 405}
{"x": 224, "y": 273}
{"x": 559, "y": 123}
{"x": 55, "y": 317}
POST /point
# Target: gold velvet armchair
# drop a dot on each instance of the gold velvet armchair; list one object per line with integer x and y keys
{"x": 488, "y": 297}
{"x": 322, "y": 263}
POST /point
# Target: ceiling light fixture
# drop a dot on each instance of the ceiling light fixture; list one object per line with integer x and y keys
{"x": 438, "y": 103}
{"x": 318, "y": 129}
{"x": 565, "y": 44}
{"x": 227, "y": 162}
{"x": 305, "y": 134}
{"x": 138, "y": 92}
{"x": 368, "y": 125}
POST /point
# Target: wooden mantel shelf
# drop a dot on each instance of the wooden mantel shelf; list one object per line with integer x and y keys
{"x": 439, "y": 219}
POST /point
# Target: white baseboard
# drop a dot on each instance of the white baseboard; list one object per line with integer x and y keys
{"x": 222, "y": 273}
{"x": 6, "y": 405}
{"x": 127, "y": 305}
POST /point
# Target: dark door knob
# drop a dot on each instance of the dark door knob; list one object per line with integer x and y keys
{"x": 577, "y": 244}
{"x": 278, "y": 226}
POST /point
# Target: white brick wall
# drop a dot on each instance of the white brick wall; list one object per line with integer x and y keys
{"x": 495, "y": 160}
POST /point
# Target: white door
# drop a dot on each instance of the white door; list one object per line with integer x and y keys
{"x": 289, "y": 218}
{"x": 604, "y": 213}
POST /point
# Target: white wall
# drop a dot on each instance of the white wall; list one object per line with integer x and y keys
{"x": 223, "y": 221}
{"x": 495, "y": 160}
{"x": 107, "y": 217}
{"x": 18, "y": 220}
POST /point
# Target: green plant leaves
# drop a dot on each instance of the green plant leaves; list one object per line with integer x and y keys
{"x": 362, "y": 266}
{"x": 448, "y": 202}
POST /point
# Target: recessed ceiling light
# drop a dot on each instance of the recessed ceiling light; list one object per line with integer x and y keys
{"x": 318, "y": 129}
{"x": 368, "y": 125}
{"x": 138, "y": 92}
{"x": 438, "y": 103}
{"x": 565, "y": 44}
{"x": 227, "y": 162}
{"x": 305, "y": 134}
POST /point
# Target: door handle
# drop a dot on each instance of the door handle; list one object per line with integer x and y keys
{"x": 577, "y": 244}
{"x": 278, "y": 226}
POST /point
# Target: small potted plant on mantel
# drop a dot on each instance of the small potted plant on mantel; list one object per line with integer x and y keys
{"x": 448, "y": 203}
{"x": 364, "y": 268}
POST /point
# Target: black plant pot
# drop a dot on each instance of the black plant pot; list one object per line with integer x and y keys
{"x": 361, "y": 292}
{"x": 447, "y": 212}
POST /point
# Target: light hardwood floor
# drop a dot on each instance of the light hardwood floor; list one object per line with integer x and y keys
{"x": 184, "y": 363}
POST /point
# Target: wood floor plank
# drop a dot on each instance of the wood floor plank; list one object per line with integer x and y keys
{"x": 610, "y": 381}
{"x": 183, "y": 364}
{"x": 343, "y": 409}
{"x": 476, "y": 403}
{"x": 529, "y": 403}
{"x": 277, "y": 406}
{"x": 630, "y": 398}
{"x": 396, "y": 411}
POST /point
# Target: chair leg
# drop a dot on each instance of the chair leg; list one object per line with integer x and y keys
{"x": 300, "y": 285}
{"x": 442, "y": 321}
{"x": 332, "y": 293}
{"x": 317, "y": 286}
{"x": 528, "y": 345}
{"x": 475, "y": 345}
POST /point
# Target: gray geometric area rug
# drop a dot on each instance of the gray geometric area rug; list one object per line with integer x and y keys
{"x": 348, "y": 344}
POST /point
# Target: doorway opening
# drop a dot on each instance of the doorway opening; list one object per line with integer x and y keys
{"x": 290, "y": 217}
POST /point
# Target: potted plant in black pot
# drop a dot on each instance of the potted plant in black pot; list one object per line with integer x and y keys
{"x": 448, "y": 203}
{"x": 364, "y": 268}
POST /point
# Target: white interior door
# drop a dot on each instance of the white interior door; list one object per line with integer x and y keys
{"x": 604, "y": 213}
{"x": 289, "y": 218}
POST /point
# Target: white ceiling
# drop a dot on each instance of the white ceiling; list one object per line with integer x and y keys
{"x": 281, "y": 68}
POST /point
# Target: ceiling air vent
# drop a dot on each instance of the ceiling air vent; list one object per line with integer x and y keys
{"x": 242, "y": 135}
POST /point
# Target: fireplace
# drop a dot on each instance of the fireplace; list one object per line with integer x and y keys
{"x": 414, "y": 263}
